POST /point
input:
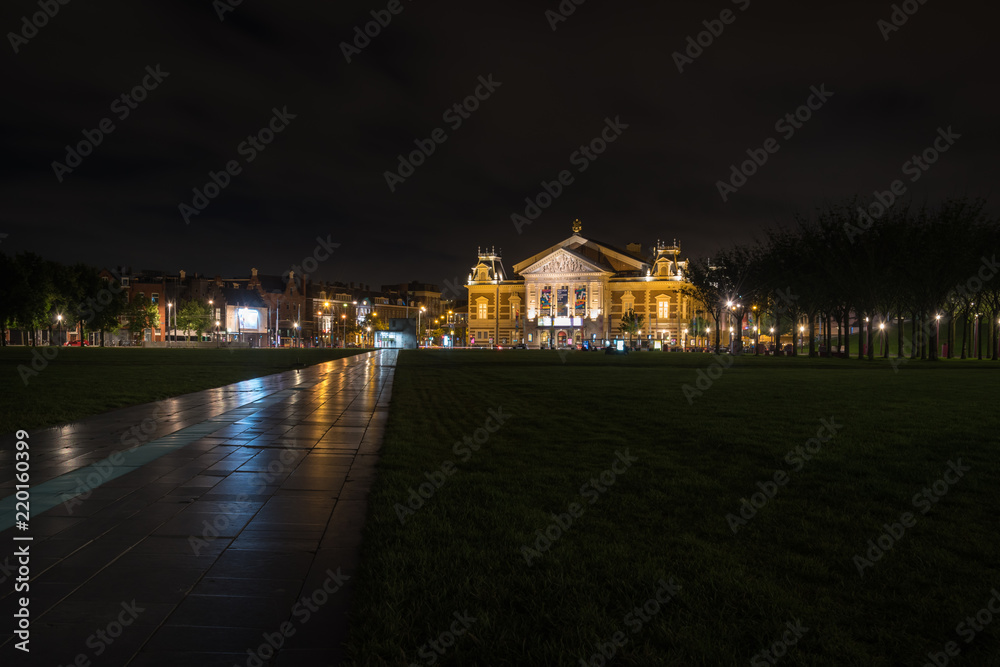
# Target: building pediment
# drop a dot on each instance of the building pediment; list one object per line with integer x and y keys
{"x": 563, "y": 261}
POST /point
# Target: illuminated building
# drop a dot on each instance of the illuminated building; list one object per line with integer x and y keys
{"x": 577, "y": 291}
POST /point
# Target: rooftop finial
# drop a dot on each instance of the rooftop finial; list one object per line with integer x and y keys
{"x": 577, "y": 226}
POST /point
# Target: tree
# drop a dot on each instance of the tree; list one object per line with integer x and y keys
{"x": 8, "y": 298}
{"x": 631, "y": 324}
{"x": 194, "y": 316}
{"x": 704, "y": 287}
{"x": 33, "y": 293}
{"x": 141, "y": 314}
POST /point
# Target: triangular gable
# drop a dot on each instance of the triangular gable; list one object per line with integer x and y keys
{"x": 624, "y": 261}
{"x": 564, "y": 261}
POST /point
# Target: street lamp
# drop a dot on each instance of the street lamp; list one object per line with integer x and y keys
{"x": 217, "y": 333}
{"x": 422, "y": 309}
{"x": 343, "y": 336}
{"x": 169, "y": 306}
{"x": 59, "y": 318}
{"x": 297, "y": 341}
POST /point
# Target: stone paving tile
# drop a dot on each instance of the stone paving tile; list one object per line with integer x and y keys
{"x": 227, "y": 523}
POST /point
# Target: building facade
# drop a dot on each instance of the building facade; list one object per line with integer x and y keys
{"x": 577, "y": 292}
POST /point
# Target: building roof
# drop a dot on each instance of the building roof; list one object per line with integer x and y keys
{"x": 242, "y": 297}
{"x": 594, "y": 252}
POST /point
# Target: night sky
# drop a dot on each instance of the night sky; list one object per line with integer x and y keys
{"x": 324, "y": 174}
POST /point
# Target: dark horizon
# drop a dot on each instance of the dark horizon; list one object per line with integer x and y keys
{"x": 341, "y": 108}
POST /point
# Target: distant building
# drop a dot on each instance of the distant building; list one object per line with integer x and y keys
{"x": 401, "y": 333}
{"x": 577, "y": 291}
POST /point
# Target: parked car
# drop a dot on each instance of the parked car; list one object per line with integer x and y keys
{"x": 76, "y": 343}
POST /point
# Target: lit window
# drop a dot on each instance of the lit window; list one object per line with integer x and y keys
{"x": 662, "y": 309}
{"x": 481, "y": 307}
{"x": 154, "y": 297}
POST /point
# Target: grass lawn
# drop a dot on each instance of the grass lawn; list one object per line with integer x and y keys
{"x": 593, "y": 580}
{"x": 78, "y": 382}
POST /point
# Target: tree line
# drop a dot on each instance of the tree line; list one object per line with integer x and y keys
{"x": 40, "y": 294}
{"x": 933, "y": 268}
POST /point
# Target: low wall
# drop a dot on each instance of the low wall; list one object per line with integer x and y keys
{"x": 194, "y": 344}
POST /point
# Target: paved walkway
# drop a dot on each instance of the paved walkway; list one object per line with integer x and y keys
{"x": 206, "y": 529}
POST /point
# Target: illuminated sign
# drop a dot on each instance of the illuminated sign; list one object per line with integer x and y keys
{"x": 560, "y": 321}
{"x": 248, "y": 318}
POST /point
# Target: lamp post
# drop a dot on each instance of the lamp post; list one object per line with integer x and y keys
{"x": 170, "y": 305}
{"x": 297, "y": 341}
{"x": 881, "y": 339}
{"x": 802, "y": 331}
{"x": 59, "y": 319}
{"x": 422, "y": 309}
{"x": 729, "y": 311}
{"x": 343, "y": 336}
{"x": 937, "y": 330}
{"x": 217, "y": 344}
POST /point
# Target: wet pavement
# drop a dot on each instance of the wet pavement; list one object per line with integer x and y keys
{"x": 217, "y": 528}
